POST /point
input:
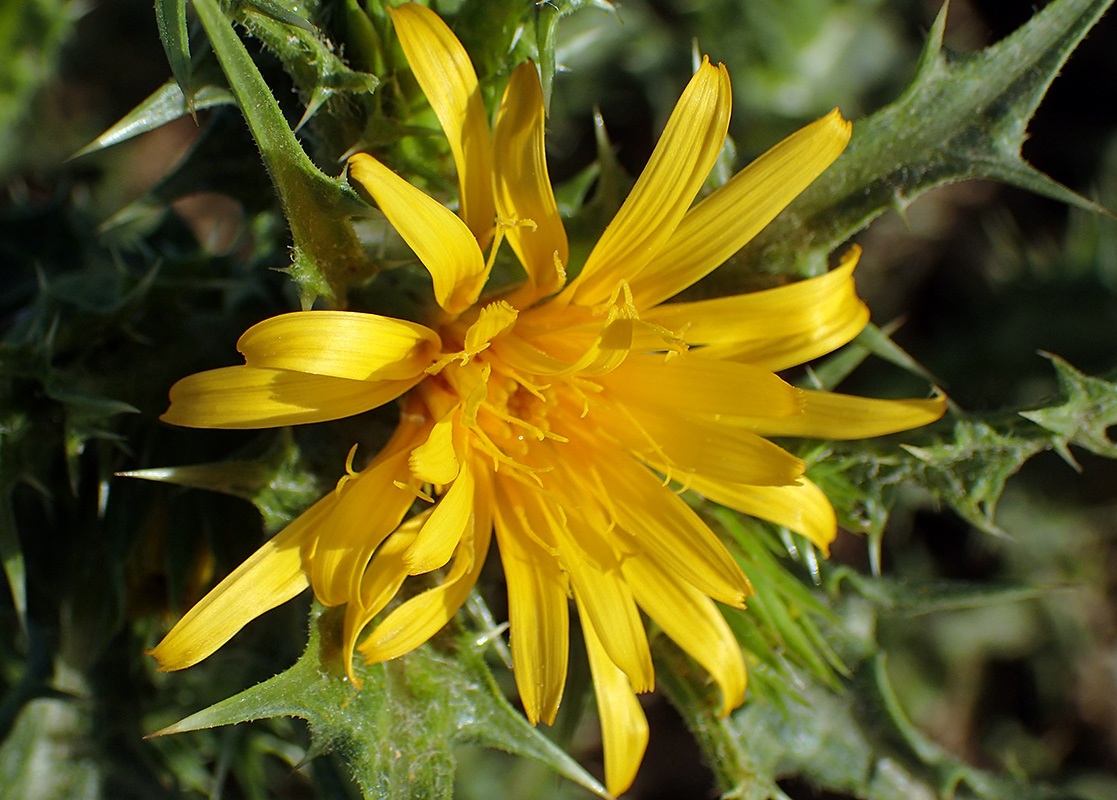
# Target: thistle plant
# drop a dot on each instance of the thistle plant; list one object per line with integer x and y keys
{"x": 457, "y": 436}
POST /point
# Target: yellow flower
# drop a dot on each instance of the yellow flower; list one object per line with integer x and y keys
{"x": 554, "y": 415}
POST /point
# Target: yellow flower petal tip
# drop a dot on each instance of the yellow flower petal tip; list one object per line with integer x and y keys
{"x": 841, "y": 129}
{"x": 556, "y": 416}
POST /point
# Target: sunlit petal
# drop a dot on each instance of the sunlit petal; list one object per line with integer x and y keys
{"x": 775, "y": 328}
{"x": 524, "y": 198}
{"x": 827, "y": 415}
{"x": 704, "y": 386}
{"x": 537, "y": 612}
{"x": 662, "y": 524}
{"x": 445, "y": 74}
{"x": 802, "y": 507}
{"x": 624, "y": 728}
{"x": 722, "y": 223}
{"x": 684, "y": 156}
{"x": 441, "y": 241}
{"x": 341, "y": 344}
{"x": 605, "y": 601}
{"x": 686, "y": 444}
{"x": 251, "y": 397}
{"x": 435, "y": 460}
{"x": 368, "y": 509}
{"x": 382, "y": 580}
{"x": 450, "y": 522}
{"x": 689, "y": 617}
{"x": 422, "y": 616}
{"x": 494, "y": 319}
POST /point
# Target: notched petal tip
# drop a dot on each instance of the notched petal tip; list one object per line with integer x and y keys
{"x": 841, "y": 127}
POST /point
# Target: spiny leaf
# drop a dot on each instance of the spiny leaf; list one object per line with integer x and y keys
{"x": 170, "y": 16}
{"x": 276, "y": 482}
{"x": 1089, "y": 410}
{"x": 165, "y": 104}
{"x": 968, "y": 467}
{"x": 970, "y": 471}
{"x": 282, "y": 13}
{"x": 905, "y": 599}
{"x": 963, "y": 116}
{"x": 398, "y": 731}
{"x": 313, "y": 62}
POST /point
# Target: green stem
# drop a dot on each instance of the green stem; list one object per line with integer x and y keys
{"x": 327, "y": 255}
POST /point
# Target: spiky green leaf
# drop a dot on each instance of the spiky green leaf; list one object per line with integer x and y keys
{"x": 165, "y": 104}
{"x": 397, "y": 732}
{"x": 1084, "y": 418}
{"x": 170, "y": 16}
{"x": 964, "y": 116}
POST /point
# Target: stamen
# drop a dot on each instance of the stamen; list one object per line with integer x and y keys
{"x": 579, "y": 386}
{"x": 415, "y": 490}
{"x": 560, "y": 270}
{"x": 529, "y": 529}
{"x": 499, "y": 457}
{"x": 520, "y": 380}
{"x": 537, "y": 432}
{"x": 349, "y": 473}
{"x": 498, "y": 237}
{"x": 507, "y": 223}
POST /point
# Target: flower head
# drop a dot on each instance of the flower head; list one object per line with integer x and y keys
{"x": 556, "y": 415}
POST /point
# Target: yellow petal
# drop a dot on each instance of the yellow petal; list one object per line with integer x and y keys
{"x": 608, "y": 351}
{"x": 802, "y": 507}
{"x": 693, "y": 621}
{"x": 342, "y": 344}
{"x": 435, "y": 460}
{"x": 445, "y": 74}
{"x": 272, "y": 575}
{"x": 450, "y": 522}
{"x": 680, "y": 444}
{"x": 660, "y": 522}
{"x": 493, "y": 320}
{"x": 424, "y": 615}
{"x": 526, "y": 358}
{"x": 624, "y": 728}
{"x": 381, "y": 581}
{"x": 537, "y": 610}
{"x": 598, "y": 354}
{"x": 605, "y": 602}
{"x": 250, "y": 397}
{"x": 695, "y": 385}
{"x": 441, "y": 241}
{"x": 684, "y": 156}
{"x": 523, "y": 187}
{"x": 722, "y": 223}
{"x": 775, "y": 328}
{"x": 827, "y": 415}
{"x": 368, "y": 509}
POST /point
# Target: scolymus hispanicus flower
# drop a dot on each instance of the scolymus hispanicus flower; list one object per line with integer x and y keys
{"x": 555, "y": 415}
